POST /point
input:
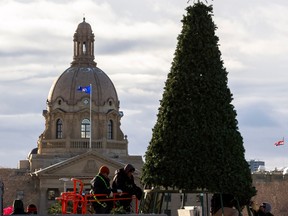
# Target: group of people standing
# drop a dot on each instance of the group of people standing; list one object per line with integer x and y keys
{"x": 123, "y": 184}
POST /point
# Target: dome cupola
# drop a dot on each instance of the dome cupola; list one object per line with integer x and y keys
{"x": 83, "y": 45}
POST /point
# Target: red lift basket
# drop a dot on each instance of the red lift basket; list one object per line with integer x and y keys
{"x": 79, "y": 201}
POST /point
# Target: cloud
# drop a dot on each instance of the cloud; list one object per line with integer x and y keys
{"x": 134, "y": 45}
{"x": 19, "y": 134}
{"x": 256, "y": 115}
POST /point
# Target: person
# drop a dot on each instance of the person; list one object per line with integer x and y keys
{"x": 123, "y": 181}
{"x": 228, "y": 207}
{"x": 100, "y": 184}
{"x": 31, "y": 209}
{"x": 254, "y": 208}
{"x": 265, "y": 209}
{"x": 18, "y": 207}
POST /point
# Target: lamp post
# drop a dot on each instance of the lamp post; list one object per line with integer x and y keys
{"x": 64, "y": 182}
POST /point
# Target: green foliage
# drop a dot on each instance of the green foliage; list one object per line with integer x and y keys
{"x": 196, "y": 143}
{"x": 55, "y": 208}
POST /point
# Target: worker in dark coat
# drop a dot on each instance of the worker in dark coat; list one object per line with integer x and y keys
{"x": 101, "y": 185}
{"x": 123, "y": 181}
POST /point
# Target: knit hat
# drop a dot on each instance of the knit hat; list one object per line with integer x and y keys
{"x": 104, "y": 169}
{"x": 266, "y": 206}
{"x": 129, "y": 168}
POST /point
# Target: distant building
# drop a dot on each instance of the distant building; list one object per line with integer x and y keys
{"x": 255, "y": 164}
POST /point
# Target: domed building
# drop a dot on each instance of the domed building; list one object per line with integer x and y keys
{"x": 68, "y": 130}
{"x": 82, "y": 129}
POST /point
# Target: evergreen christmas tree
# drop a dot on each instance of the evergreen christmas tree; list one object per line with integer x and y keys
{"x": 196, "y": 143}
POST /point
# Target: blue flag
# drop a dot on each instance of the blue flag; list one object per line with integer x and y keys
{"x": 85, "y": 89}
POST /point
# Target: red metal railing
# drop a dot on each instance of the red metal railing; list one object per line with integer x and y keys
{"x": 80, "y": 202}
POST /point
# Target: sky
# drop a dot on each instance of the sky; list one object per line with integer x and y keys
{"x": 134, "y": 45}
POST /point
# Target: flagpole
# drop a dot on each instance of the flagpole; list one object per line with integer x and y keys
{"x": 90, "y": 140}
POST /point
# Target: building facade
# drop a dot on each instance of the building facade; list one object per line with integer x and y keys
{"x": 82, "y": 132}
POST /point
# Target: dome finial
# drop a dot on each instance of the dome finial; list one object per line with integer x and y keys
{"x": 84, "y": 17}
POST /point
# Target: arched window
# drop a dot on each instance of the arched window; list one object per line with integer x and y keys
{"x": 84, "y": 48}
{"x": 59, "y": 132}
{"x": 85, "y": 128}
{"x": 110, "y": 130}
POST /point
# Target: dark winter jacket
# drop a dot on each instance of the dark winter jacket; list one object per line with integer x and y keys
{"x": 123, "y": 182}
{"x": 101, "y": 185}
{"x": 259, "y": 213}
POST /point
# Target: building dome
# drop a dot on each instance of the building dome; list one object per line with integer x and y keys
{"x": 33, "y": 151}
{"x": 83, "y": 72}
{"x": 84, "y": 27}
{"x": 65, "y": 87}
{"x": 76, "y": 122}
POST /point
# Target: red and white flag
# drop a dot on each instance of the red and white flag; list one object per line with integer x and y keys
{"x": 280, "y": 142}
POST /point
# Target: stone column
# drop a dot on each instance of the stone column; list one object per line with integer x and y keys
{"x": 43, "y": 201}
